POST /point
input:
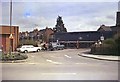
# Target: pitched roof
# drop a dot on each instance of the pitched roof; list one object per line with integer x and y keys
{"x": 104, "y": 28}
{"x": 83, "y": 36}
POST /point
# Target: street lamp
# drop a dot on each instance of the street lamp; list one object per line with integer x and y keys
{"x": 78, "y": 42}
{"x": 101, "y": 38}
{"x": 11, "y": 36}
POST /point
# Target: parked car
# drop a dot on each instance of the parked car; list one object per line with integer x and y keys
{"x": 0, "y": 51}
{"x": 57, "y": 46}
{"x": 28, "y": 48}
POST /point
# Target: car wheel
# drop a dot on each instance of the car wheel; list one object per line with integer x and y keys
{"x": 25, "y": 51}
{"x": 38, "y": 50}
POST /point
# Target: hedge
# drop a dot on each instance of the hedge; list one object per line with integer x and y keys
{"x": 13, "y": 56}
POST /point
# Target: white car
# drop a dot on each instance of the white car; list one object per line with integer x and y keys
{"x": 28, "y": 48}
{"x": 0, "y": 51}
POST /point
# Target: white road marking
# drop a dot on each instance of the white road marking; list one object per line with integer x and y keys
{"x": 80, "y": 63}
{"x": 67, "y": 56}
{"x": 53, "y": 62}
{"x": 58, "y": 73}
{"x": 32, "y": 63}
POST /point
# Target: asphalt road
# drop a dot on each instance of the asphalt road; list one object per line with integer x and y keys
{"x": 60, "y": 65}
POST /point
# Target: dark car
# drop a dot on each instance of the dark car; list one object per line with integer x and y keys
{"x": 57, "y": 46}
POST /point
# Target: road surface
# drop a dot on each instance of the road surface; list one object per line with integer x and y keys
{"x": 60, "y": 65}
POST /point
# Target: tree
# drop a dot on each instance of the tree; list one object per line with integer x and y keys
{"x": 59, "y": 27}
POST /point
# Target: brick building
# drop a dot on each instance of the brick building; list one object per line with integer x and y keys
{"x": 47, "y": 34}
{"x": 42, "y": 35}
{"x": 5, "y": 38}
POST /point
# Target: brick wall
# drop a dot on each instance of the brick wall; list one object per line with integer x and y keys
{"x": 5, "y": 37}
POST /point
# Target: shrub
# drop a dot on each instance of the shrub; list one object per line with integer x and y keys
{"x": 110, "y": 42}
{"x": 117, "y": 41}
{"x": 110, "y": 46}
{"x": 103, "y": 49}
{"x": 13, "y": 56}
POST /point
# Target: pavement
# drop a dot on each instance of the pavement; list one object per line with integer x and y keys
{"x": 100, "y": 57}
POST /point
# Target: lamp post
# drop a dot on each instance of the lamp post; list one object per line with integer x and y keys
{"x": 95, "y": 47}
{"x": 78, "y": 44}
{"x": 101, "y": 38}
{"x": 11, "y": 36}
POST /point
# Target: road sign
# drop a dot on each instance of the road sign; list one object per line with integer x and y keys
{"x": 11, "y": 36}
{"x": 102, "y": 38}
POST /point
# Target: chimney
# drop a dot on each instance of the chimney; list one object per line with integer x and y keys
{"x": 119, "y": 6}
{"x": 118, "y": 15}
{"x": 118, "y": 19}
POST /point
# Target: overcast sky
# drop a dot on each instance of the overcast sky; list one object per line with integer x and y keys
{"x": 77, "y": 16}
